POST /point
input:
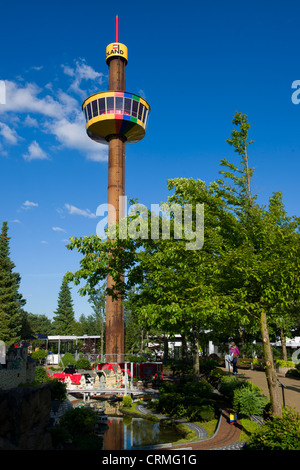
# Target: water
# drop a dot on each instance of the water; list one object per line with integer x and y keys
{"x": 136, "y": 433}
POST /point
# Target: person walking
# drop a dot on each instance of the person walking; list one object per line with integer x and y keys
{"x": 234, "y": 353}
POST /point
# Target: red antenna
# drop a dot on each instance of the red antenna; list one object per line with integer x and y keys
{"x": 117, "y": 28}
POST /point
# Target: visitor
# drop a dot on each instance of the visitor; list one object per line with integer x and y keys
{"x": 234, "y": 353}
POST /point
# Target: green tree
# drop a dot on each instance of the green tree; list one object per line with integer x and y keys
{"x": 34, "y": 324}
{"x": 259, "y": 275}
{"x": 64, "y": 320}
{"x": 11, "y": 301}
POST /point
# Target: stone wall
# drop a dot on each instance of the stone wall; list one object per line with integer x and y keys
{"x": 12, "y": 378}
{"x": 18, "y": 368}
{"x": 24, "y": 418}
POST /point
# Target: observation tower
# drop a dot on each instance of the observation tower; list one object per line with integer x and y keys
{"x": 114, "y": 118}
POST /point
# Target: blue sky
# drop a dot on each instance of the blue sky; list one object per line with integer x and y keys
{"x": 195, "y": 62}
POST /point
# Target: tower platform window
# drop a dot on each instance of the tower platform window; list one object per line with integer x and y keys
{"x": 116, "y": 113}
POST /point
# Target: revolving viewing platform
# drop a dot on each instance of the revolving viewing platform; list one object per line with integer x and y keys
{"x": 116, "y": 112}
{"x": 112, "y": 113}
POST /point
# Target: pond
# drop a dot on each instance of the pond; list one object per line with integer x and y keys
{"x": 125, "y": 433}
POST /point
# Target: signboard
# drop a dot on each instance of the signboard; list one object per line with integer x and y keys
{"x": 116, "y": 49}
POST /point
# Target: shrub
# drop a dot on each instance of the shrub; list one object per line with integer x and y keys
{"x": 280, "y": 363}
{"x": 60, "y": 436}
{"x": 39, "y": 355}
{"x": 132, "y": 358}
{"x": 278, "y": 433}
{"x": 231, "y": 386}
{"x": 79, "y": 421}
{"x": 40, "y": 375}
{"x": 168, "y": 387}
{"x": 192, "y": 408}
{"x": 205, "y": 412}
{"x": 207, "y": 364}
{"x": 127, "y": 401}
{"x": 294, "y": 372}
{"x": 58, "y": 390}
{"x": 68, "y": 359}
{"x": 215, "y": 376}
{"x": 249, "y": 401}
{"x": 228, "y": 384}
{"x": 258, "y": 364}
{"x": 83, "y": 363}
{"x": 198, "y": 389}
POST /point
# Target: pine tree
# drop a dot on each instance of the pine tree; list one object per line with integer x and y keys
{"x": 64, "y": 320}
{"x": 11, "y": 300}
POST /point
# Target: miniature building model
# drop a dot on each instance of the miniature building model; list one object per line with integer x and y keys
{"x": 111, "y": 376}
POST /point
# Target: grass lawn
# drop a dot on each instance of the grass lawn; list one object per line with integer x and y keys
{"x": 249, "y": 427}
{"x": 209, "y": 426}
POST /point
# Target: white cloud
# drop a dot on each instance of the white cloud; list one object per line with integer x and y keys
{"x": 9, "y": 135}
{"x": 52, "y": 111}
{"x": 25, "y": 99}
{"x": 29, "y": 205}
{"x": 81, "y": 72}
{"x": 35, "y": 152}
{"x": 30, "y": 122}
{"x": 58, "y": 229}
{"x": 76, "y": 211}
{"x": 72, "y": 135}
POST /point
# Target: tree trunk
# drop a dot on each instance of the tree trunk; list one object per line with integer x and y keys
{"x": 184, "y": 349}
{"x": 166, "y": 348}
{"x": 283, "y": 345}
{"x": 195, "y": 352}
{"x": 142, "y": 342}
{"x": 101, "y": 338}
{"x": 241, "y": 334}
{"x": 272, "y": 381}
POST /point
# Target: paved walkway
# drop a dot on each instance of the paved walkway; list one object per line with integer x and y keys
{"x": 291, "y": 390}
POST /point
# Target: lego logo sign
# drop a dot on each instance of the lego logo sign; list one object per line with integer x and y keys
{"x": 116, "y": 49}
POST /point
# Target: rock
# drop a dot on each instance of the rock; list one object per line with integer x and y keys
{"x": 24, "y": 418}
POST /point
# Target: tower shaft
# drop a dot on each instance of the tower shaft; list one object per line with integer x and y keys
{"x": 114, "y": 350}
{"x": 117, "y": 74}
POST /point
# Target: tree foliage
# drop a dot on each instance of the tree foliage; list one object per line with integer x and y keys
{"x": 63, "y": 320}
{"x": 11, "y": 301}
